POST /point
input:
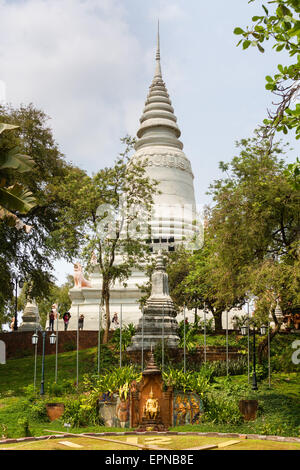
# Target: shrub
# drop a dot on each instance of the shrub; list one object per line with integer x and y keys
{"x": 128, "y": 331}
{"x": 220, "y": 409}
{"x": 79, "y": 414}
{"x": 116, "y": 381}
{"x": 37, "y": 411}
{"x": 261, "y": 371}
{"x": 189, "y": 381}
{"x": 30, "y": 392}
{"x": 61, "y": 388}
{"x": 209, "y": 325}
{"x": 24, "y": 424}
{"x": 158, "y": 353}
{"x": 235, "y": 367}
{"x": 108, "y": 359}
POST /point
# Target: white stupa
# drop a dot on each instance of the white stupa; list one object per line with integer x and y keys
{"x": 174, "y": 214}
{"x": 159, "y": 148}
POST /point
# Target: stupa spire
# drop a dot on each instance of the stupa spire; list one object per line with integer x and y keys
{"x": 158, "y": 122}
{"x": 158, "y": 66}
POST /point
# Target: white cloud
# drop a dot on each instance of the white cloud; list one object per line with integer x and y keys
{"x": 167, "y": 10}
{"x": 67, "y": 58}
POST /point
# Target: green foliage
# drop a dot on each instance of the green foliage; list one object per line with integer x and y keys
{"x": 187, "y": 333}
{"x": 282, "y": 27}
{"x": 30, "y": 254}
{"x": 128, "y": 331}
{"x": 158, "y": 353}
{"x": 208, "y": 325}
{"x": 254, "y": 227}
{"x": 37, "y": 411}
{"x": 16, "y": 197}
{"x": 114, "y": 381}
{"x": 78, "y": 414}
{"x": 239, "y": 321}
{"x": 261, "y": 371}
{"x": 109, "y": 359}
{"x": 187, "y": 382}
{"x": 219, "y": 368}
{"x": 24, "y": 424}
{"x": 281, "y": 354}
{"x": 58, "y": 389}
{"x": 220, "y": 409}
{"x": 198, "y": 280}
{"x": 292, "y": 174}
{"x": 30, "y": 392}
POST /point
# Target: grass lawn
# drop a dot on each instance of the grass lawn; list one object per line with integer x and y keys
{"x": 18, "y": 373}
{"x": 165, "y": 442}
{"x": 279, "y": 406}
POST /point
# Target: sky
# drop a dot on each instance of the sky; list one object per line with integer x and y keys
{"x": 89, "y": 63}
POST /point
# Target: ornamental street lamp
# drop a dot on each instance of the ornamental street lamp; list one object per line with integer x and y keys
{"x": 18, "y": 282}
{"x": 34, "y": 340}
{"x": 244, "y": 331}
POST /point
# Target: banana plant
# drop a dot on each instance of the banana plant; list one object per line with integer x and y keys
{"x": 16, "y": 197}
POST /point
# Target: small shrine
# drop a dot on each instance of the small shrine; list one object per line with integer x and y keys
{"x": 150, "y": 404}
{"x": 158, "y": 322}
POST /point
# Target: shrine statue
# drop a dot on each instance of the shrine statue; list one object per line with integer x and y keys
{"x": 79, "y": 279}
{"x": 152, "y": 408}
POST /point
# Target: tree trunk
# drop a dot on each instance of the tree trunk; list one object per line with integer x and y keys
{"x": 218, "y": 321}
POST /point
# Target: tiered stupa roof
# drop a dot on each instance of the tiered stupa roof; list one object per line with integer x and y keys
{"x": 158, "y": 122}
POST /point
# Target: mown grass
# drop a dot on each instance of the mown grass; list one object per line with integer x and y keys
{"x": 18, "y": 373}
{"x": 166, "y": 442}
{"x": 279, "y": 406}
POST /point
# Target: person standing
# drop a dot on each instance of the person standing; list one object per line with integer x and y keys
{"x": 115, "y": 320}
{"x": 66, "y": 319}
{"x": 80, "y": 322}
{"x": 51, "y": 320}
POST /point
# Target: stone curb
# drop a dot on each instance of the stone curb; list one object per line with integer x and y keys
{"x": 164, "y": 433}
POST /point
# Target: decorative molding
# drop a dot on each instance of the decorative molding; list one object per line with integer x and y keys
{"x": 169, "y": 159}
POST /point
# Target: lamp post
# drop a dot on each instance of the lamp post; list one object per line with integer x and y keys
{"x": 204, "y": 331}
{"x": 18, "y": 282}
{"x": 163, "y": 341}
{"x": 184, "y": 352}
{"x": 244, "y": 331}
{"x": 142, "y": 339}
{"x": 35, "y": 339}
{"x": 99, "y": 335}
{"x": 121, "y": 320}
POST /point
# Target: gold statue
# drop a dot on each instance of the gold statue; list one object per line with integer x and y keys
{"x": 152, "y": 408}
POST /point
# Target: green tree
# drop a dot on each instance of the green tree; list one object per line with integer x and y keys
{"x": 15, "y": 198}
{"x": 254, "y": 225}
{"x": 106, "y": 220}
{"x": 30, "y": 255}
{"x": 199, "y": 280}
{"x": 280, "y": 23}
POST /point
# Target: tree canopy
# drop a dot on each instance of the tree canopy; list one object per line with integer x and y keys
{"x": 30, "y": 255}
{"x": 280, "y": 23}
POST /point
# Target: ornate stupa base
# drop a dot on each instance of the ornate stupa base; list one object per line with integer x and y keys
{"x": 158, "y": 322}
{"x": 151, "y": 425}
